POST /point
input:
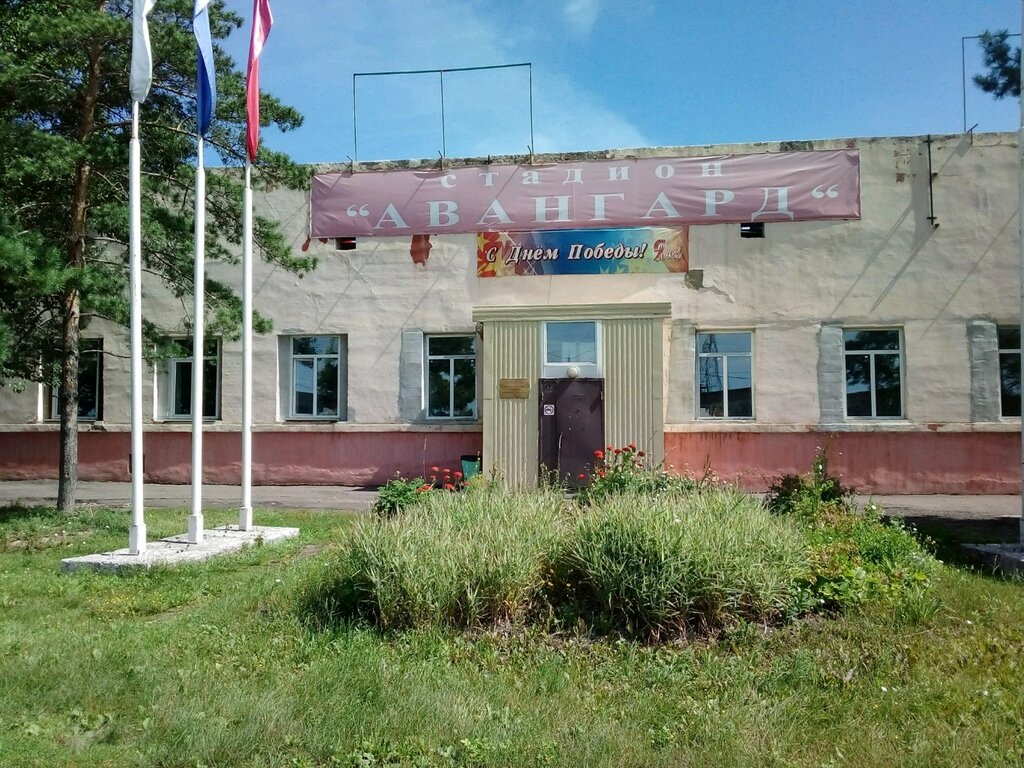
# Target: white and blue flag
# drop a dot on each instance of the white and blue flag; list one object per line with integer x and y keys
{"x": 142, "y": 55}
{"x": 206, "y": 77}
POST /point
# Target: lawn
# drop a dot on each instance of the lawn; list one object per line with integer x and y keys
{"x": 213, "y": 665}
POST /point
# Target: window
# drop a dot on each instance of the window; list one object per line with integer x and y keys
{"x": 724, "y": 375}
{"x": 874, "y": 385}
{"x": 572, "y": 344}
{"x": 316, "y": 365}
{"x": 1009, "y": 371}
{"x": 179, "y": 381}
{"x": 90, "y": 383}
{"x": 451, "y": 377}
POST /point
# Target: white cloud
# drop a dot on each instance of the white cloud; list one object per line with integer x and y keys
{"x": 315, "y": 48}
{"x": 582, "y": 15}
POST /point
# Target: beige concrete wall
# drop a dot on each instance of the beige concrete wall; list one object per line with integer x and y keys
{"x": 891, "y": 268}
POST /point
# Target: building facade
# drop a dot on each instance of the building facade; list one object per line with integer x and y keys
{"x": 891, "y": 340}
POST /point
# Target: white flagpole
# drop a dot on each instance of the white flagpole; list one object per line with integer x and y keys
{"x": 245, "y": 514}
{"x": 137, "y": 531}
{"x": 195, "y": 520}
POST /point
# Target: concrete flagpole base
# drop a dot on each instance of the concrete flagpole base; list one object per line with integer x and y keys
{"x": 137, "y": 539}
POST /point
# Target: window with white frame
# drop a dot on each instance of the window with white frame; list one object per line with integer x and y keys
{"x": 874, "y": 378}
{"x": 90, "y": 383}
{"x": 316, "y": 377}
{"x": 1009, "y": 370}
{"x": 725, "y": 375}
{"x": 572, "y": 343}
{"x": 179, "y": 380}
{"x": 451, "y": 377}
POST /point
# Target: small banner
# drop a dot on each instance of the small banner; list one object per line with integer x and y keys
{"x": 649, "y": 250}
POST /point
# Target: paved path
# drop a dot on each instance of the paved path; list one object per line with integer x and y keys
{"x": 214, "y": 496}
{"x": 343, "y": 497}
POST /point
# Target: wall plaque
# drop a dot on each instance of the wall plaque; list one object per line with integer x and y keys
{"x": 513, "y": 389}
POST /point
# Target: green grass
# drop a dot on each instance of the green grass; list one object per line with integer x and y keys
{"x": 213, "y": 665}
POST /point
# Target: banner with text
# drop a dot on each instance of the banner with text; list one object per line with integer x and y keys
{"x": 649, "y": 250}
{"x": 638, "y": 192}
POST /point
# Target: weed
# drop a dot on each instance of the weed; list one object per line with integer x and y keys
{"x": 397, "y": 494}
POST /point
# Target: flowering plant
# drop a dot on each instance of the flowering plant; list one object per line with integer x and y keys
{"x": 628, "y": 468}
{"x": 443, "y": 479}
{"x": 399, "y": 492}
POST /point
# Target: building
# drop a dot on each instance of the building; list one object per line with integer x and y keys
{"x": 886, "y": 332}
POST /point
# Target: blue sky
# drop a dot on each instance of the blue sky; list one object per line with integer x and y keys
{"x": 626, "y": 73}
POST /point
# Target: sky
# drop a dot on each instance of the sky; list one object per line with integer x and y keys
{"x": 612, "y": 74}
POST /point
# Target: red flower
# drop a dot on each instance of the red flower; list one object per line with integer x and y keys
{"x": 632, "y": 446}
{"x": 641, "y": 454}
{"x": 600, "y": 473}
{"x": 599, "y": 454}
{"x": 435, "y": 469}
{"x": 457, "y": 475}
{"x": 424, "y": 487}
{"x": 610, "y": 447}
{"x": 581, "y": 476}
{"x": 618, "y": 451}
{"x": 449, "y": 487}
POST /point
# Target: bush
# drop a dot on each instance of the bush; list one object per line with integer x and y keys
{"x": 657, "y": 566}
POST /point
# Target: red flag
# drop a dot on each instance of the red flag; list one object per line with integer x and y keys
{"x": 262, "y": 21}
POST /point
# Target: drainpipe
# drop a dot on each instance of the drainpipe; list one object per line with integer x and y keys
{"x": 1020, "y": 233}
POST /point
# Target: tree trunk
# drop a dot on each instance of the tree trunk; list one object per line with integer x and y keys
{"x": 68, "y": 472}
{"x": 68, "y": 477}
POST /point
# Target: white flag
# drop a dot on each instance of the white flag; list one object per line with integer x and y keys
{"x": 142, "y": 56}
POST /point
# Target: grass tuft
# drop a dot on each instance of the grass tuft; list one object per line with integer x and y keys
{"x": 659, "y": 565}
{"x": 459, "y": 560}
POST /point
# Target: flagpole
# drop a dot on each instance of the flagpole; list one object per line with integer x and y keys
{"x": 262, "y": 21}
{"x": 245, "y": 514}
{"x": 137, "y": 531}
{"x": 195, "y": 520}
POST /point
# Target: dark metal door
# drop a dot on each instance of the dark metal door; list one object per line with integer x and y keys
{"x": 571, "y": 427}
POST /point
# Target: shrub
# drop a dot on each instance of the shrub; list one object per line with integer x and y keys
{"x": 656, "y": 565}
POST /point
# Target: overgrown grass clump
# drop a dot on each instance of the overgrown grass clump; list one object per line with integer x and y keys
{"x": 681, "y": 561}
{"x": 458, "y": 560}
{"x": 654, "y": 566}
{"x": 661, "y": 565}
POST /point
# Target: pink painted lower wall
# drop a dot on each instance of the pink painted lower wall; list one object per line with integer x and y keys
{"x": 279, "y": 458}
{"x": 871, "y": 462}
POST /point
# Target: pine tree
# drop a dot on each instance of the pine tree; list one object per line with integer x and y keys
{"x": 1003, "y": 64}
{"x": 65, "y": 123}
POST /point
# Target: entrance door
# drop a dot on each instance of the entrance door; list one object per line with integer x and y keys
{"x": 571, "y": 427}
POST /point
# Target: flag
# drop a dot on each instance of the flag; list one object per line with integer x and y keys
{"x": 262, "y": 21}
{"x": 206, "y": 79}
{"x": 142, "y": 57}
